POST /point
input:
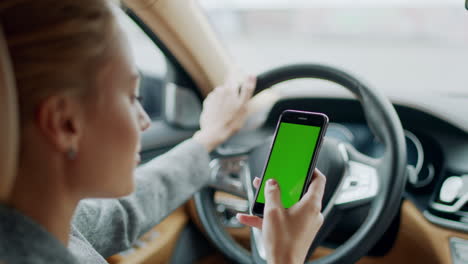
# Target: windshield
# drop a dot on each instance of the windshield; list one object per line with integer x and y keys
{"x": 398, "y": 46}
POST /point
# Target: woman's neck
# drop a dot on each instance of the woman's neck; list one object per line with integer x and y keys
{"x": 45, "y": 200}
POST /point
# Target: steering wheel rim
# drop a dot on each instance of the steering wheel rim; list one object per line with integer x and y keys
{"x": 383, "y": 121}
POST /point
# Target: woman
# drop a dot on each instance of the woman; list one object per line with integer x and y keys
{"x": 81, "y": 121}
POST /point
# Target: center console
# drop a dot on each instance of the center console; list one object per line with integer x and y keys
{"x": 449, "y": 204}
{"x": 449, "y": 208}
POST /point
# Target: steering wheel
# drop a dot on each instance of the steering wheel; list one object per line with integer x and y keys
{"x": 353, "y": 179}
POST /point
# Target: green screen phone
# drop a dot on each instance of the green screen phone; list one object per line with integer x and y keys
{"x": 292, "y": 156}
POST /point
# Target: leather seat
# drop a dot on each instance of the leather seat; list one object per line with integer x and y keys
{"x": 9, "y": 129}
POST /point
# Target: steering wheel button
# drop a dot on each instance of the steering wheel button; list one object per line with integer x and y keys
{"x": 365, "y": 180}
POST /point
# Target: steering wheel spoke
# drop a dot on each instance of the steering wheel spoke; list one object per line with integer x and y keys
{"x": 361, "y": 181}
{"x": 228, "y": 174}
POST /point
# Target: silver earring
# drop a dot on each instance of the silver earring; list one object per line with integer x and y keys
{"x": 71, "y": 154}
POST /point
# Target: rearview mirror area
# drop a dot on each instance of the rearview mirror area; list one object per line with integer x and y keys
{"x": 182, "y": 107}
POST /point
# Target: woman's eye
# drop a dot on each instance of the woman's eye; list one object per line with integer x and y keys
{"x": 137, "y": 98}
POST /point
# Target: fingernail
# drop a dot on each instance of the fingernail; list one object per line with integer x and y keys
{"x": 272, "y": 183}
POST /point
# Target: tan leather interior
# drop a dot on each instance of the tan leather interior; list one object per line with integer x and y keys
{"x": 241, "y": 235}
{"x": 418, "y": 241}
{"x": 157, "y": 245}
{"x": 8, "y": 121}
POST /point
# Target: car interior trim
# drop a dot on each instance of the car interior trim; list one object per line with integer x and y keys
{"x": 207, "y": 66}
{"x": 157, "y": 245}
{"x": 445, "y": 222}
{"x": 420, "y": 150}
{"x": 451, "y": 208}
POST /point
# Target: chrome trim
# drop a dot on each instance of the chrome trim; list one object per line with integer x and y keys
{"x": 451, "y": 208}
{"x": 239, "y": 205}
{"x": 445, "y": 222}
{"x": 428, "y": 179}
{"x": 420, "y": 151}
{"x": 220, "y": 169}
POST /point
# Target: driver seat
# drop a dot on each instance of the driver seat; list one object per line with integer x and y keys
{"x": 9, "y": 127}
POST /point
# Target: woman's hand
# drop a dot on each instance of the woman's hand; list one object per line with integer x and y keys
{"x": 224, "y": 111}
{"x": 288, "y": 233}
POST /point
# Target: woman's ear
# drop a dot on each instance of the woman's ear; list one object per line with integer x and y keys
{"x": 59, "y": 119}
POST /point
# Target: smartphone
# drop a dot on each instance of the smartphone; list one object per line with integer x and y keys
{"x": 293, "y": 155}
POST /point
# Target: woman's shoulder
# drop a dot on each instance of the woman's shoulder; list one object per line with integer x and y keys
{"x": 25, "y": 241}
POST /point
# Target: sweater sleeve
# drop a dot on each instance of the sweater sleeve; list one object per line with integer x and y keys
{"x": 162, "y": 185}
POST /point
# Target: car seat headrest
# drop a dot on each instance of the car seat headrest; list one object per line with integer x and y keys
{"x": 9, "y": 128}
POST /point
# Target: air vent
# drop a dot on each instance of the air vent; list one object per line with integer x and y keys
{"x": 449, "y": 207}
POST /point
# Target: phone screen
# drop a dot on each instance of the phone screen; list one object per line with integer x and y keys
{"x": 290, "y": 160}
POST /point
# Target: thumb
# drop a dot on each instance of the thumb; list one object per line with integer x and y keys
{"x": 272, "y": 195}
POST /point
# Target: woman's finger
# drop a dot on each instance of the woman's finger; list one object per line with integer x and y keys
{"x": 315, "y": 191}
{"x": 250, "y": 220}
{"x": 272, "y": 197}
{"x": 247, "y": 88}
{"x": 233, "y": 83}
{"x": 319, "y": 186}
{"x": 256, "y": 182}
{"x": 233, "y": 75}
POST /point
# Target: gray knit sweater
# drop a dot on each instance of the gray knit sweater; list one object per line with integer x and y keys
{"x": 103, "y": 227}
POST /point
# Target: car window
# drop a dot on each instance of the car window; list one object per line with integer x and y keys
{"x": 397, "y": 45}
{"x": 151, "y": 64}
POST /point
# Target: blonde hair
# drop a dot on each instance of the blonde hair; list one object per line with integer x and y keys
{"x": 55, "y": 46}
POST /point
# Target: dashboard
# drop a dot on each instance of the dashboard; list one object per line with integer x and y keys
{"x": 437, "y": 156}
